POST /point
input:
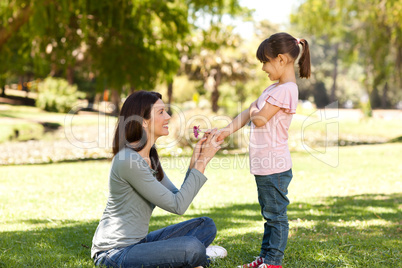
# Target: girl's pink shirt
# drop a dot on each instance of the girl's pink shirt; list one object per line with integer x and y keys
{"x": 269, "y": 151}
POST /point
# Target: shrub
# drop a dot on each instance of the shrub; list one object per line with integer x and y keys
{"x": 56, "y": 95}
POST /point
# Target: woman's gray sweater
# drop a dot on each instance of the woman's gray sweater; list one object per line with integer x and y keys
{"x": 134, "y": 192}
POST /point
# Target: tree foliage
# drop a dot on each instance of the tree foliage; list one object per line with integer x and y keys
{"x": 124, "y": 43}
{"x": 368, "y": 32}
{"x": 213, "y": 59}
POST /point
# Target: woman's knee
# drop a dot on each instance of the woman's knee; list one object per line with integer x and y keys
{"x": 195, "y": 251}
{"x": 209, "y": 223}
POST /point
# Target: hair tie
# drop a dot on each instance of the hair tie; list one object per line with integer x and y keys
{"x": 298, "y": 41}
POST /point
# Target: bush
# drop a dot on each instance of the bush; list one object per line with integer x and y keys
{"x": 56, "y": 95}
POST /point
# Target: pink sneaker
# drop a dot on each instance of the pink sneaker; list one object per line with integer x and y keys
{"x": 254, "y": 264}
{"x": 264, "y": 265}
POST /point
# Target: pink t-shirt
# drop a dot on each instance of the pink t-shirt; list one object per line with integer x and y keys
{"x": 269, "y": 151}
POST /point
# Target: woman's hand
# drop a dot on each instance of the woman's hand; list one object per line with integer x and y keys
{"x": 198, "y": 147}
{"x": 209, "y": 147}
{"x": 197, "y": 150}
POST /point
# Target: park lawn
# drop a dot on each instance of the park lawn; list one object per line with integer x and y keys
{"x": 20, "y": 130}
{"x": 313, "y": 125}
{"x": 344, "y": 214}
{"x": 30, "y": 122}
{"x": 345, "y": 130}
{"x": 35, "y": 114}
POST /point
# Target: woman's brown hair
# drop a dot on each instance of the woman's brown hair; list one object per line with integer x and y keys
{"x": 136, "y": 108}
{"x": 284, "y": 43}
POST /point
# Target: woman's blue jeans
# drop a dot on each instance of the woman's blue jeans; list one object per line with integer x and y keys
{"x": 272, "y": 196}
{"x": 179, "y": 245}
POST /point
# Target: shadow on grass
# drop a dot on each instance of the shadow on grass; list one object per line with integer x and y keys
{"x": 64, "y": 246}
{"x": 328, "y": 232}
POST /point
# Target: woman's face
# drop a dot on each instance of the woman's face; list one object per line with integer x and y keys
{"x": 158, "y": 123}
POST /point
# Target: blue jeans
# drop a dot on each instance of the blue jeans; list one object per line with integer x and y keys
{"x": 272, "y": 191}
{"x": 179, "y": 245}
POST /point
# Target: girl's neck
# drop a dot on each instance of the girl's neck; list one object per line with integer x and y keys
{"x": 288, "y": 75}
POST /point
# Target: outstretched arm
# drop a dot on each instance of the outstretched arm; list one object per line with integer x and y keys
{"x": 240, "y": 121}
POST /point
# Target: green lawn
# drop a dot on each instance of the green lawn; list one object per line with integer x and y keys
{"x": 343, "y": 216}
{"x": 30, "y": 122}
{"x": 314, "y": 125}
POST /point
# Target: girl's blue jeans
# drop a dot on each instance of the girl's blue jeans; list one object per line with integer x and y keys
{"x": 272, "y": 196}
{"x": 179, "y": 245}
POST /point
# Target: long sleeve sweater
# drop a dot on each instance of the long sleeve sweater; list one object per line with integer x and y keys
{"x": 134, "y": 192}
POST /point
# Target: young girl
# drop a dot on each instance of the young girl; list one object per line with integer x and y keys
{"x": 137, "y": 184}
{"x": 270, "y": 162}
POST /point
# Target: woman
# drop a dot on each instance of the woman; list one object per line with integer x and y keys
{"x": 137, "y": 184}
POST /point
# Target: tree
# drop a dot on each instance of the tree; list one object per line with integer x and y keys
{"x": 125, "y": 43}
{"x": 212, "y": 59}
{"x": 372, "y": 28}
{"x": 214, "y": 10}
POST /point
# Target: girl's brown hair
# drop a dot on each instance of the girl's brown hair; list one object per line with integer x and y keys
{"x": 284, "y": 43}
{"x": 136, "y": 108}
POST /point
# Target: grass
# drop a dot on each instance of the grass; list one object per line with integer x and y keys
{"x": 313, "y": 124}
{"x": 22, "y": 123}
{"x": 343, "y": 216}
{"x": 20, "y": 131}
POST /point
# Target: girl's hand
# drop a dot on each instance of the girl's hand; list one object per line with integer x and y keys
{"x": 211, "y": 145}
{"x": 222, "y": 134}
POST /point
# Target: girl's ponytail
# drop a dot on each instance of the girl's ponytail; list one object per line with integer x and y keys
{"x": 304, "y": 61}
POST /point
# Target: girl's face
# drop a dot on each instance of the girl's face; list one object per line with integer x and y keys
{"x": 158, "y": 123}
{"x": 272, "y": 68}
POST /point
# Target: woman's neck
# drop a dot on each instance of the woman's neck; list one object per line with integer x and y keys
{"x": 145, "y": 152}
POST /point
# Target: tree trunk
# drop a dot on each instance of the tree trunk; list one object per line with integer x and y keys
{"x": 335, "y": 73}
{"x": 384, "y": 98}
{"x": 21, "y": 83}
{"x": 115, "y": 99}
{"x": 170, "y": 96}
{"x": 3, "y": 91}
{"x": 215, "y": 93}
{"x": 70, "y": 75}
{"x": 53, "y": 70}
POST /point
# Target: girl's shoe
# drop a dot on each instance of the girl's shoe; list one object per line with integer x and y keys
{"x": 254, "y": 264}
{"x": 264, "y": 265}
{"x": 216, "y": 252}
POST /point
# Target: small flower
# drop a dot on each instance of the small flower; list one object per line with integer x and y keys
{"x": 196, "y": 131}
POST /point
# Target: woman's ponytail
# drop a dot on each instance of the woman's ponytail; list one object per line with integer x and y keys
{"x": 304, "y": 61}
{"x": 156, "y": 164}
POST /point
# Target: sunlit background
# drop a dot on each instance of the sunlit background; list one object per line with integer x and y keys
{"x": 67, "y": 66}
